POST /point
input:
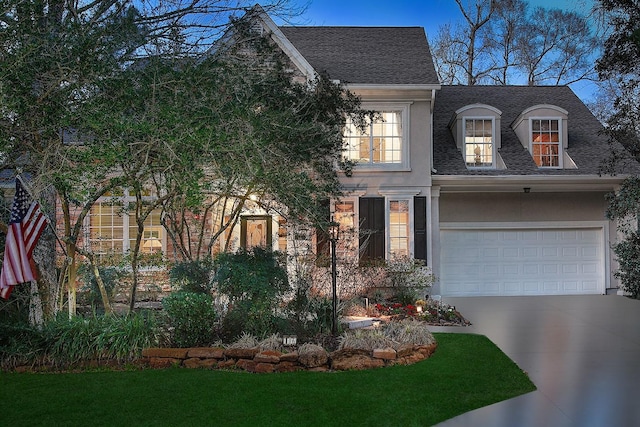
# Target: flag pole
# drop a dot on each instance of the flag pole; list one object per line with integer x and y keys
{"x": 49, "y": 222}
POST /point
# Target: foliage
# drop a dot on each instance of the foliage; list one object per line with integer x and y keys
{"x": 192, "y": 276}
{"x": 78, "y": 339}
{"x": 256, "y": 274}
{"x": 20, "y": 344}
{"x": 624, "y": 208}
{"x": 390, "y": 334}
{"x": 111, "y": 276}
{"x": 67, "y": 343}
{"x": 191, "y": 317}
{"x": 628, "y": 255}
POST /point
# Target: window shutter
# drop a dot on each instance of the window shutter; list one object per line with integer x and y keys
{"x": 371, "y": 228}
{"x": 420, "y": 227}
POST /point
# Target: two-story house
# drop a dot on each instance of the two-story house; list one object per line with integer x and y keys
{"x": 497, "y": 188}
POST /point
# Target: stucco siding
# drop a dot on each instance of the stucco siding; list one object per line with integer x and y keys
{"x": 517, "y": 207}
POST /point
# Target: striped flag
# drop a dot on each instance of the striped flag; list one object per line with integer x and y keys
{"x": 26, "y": 224}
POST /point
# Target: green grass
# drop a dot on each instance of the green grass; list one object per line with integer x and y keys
{"x": 466, "y": 372}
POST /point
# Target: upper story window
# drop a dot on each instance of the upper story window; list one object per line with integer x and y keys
{"x": 475, "y": 129}
{"x": 542, "y": 130}
{"x": 479, "y": 142}
{"x": 384, "y": 143}
{"x": 546, "y": 148}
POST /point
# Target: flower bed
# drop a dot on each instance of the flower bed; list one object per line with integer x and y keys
{"x": 432, "y": 312}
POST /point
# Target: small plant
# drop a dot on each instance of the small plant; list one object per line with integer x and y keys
{"x": 245, "y": 341}
{"x": 191, "y": 318}
{"x": 273, "y": 342}
{"x": 391, "y": 334}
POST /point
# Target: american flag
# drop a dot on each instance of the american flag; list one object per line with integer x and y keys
{"x": 26, "y": 224}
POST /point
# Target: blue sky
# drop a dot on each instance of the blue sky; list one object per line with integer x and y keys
{"x": 429, "y": 14}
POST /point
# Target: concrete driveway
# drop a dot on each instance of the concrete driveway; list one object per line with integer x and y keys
{"x": 582, "y": 352}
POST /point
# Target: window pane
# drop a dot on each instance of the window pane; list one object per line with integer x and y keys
{"x": 399, "y": 227}
{"x": 381, "y": 143}
{"x": 545, "y": 142}
{"x": 479, "y": 142}
{"x": 151, "y": 236}
{"x": 106, "y": 229}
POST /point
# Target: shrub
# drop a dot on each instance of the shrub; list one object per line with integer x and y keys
{"x": 192, "y": 318}
{"x": 254, "y": 281}
{"x": 20, "y": 344}
{"x": 628, "y": 256}
{"x": 192, "y": 276}
{"x": 391, "y": 334}
{"x": 98, "y": 337}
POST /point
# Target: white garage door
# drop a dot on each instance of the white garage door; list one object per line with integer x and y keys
{"x": 522, "y": 261}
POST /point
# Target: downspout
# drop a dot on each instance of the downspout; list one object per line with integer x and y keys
{"x": 433, "y": 102}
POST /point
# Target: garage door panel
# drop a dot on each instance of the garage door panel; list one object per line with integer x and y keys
{"x": 522, "y": 262}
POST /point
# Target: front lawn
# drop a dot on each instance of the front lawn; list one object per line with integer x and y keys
{"x": 466, "y": 372}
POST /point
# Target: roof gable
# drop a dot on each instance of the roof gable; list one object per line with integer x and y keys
{"x": 367, "y": 55}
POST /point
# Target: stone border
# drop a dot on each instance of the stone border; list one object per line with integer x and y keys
{"x": 254, "y": 360}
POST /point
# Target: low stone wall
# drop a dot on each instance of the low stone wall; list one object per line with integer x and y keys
{"x": 254, "y": 360}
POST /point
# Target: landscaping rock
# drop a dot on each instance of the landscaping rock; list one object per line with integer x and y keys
{"x": 225, "y": 364}
{"x": 206, "y": 352}
{"x": 357, "y": 362}
{"x": 192, "y": 363}
{"x": 247, "y": 365}
{"x": 268, "y": 356}
{"x": 289, "y": 357}
{"x": 263, "y": 368}
{"x": 313, "y": 356}
{"x": 175, "y": 353}
{"x": 241, "y": 353}
{"x": 384, "y": 353}
{"x": 287, "y": 367}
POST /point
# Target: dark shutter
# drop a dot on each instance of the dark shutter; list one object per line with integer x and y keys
{"x": 420, "y": 227}
{"x": 371, "y": 228}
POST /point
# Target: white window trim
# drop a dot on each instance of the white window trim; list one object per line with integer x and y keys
{"x": 404, "y": 108}
{"x": 494, "y": 150}
{"x": 126, "y": 220}
{"x": 561, "y": 142}
{"x": 387, "y": 234}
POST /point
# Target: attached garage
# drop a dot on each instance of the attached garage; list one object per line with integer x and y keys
{"x": 522, "y": 259}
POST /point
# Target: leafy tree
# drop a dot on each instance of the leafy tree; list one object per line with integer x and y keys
{"x": 619, "y": 63}
{"x": 55, "y": 58}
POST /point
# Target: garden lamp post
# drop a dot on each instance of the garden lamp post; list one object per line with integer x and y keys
{"x": 334, "y": 231}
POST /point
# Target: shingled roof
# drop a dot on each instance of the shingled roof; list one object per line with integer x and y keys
{"x": 367, "y": 55}
{"x": 588, "y": 147}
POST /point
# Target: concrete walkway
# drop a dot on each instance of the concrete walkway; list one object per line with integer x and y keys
{"x": 582, "y": 352}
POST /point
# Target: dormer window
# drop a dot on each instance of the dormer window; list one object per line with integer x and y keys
{"x": 476, "y": 130}
{"x": 542, "y": 130}
{"x": 479, "y": 142}
{"x": 383, "y": 144}
{"x": 546, "y": 148}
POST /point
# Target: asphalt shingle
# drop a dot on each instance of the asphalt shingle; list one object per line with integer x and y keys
{"x": 367, "y": 55}
{"x": 588, "y": 147}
